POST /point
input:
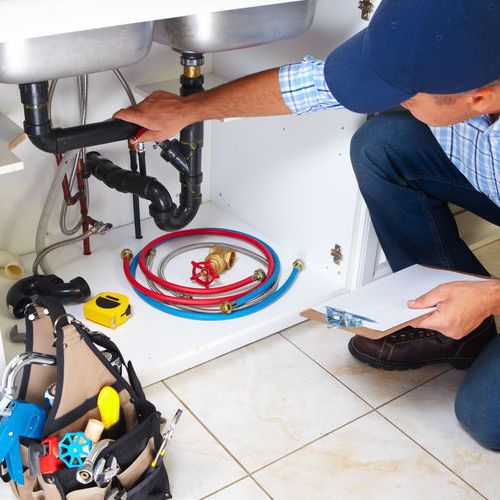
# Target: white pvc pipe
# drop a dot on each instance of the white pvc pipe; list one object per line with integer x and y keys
{"x": 11, "y": 265}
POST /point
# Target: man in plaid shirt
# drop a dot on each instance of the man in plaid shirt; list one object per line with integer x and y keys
{"x": 439, "y": 60}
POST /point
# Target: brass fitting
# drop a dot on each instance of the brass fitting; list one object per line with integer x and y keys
{"x": 227, "y": 307}
{"x": 221, "y": 258}
{"x": 259, "y": 275}
{"x": 299, "y": 264}
{"x": 192, "y": 71}
{"x": 126, "y": 252}
{"x": 132, "y": 145}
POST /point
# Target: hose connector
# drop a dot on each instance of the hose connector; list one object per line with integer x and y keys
{"x": 221, "y": 258}
{"x": 299, "y": 264}
{"x": 126, "y": 252}
{"x": 259, "y": 275}
{"x": 227, "y": 307}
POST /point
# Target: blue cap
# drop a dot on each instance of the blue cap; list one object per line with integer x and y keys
{"x": 411, "y": 46}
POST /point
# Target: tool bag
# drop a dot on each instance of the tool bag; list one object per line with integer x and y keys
{"x": 81, "y": 371}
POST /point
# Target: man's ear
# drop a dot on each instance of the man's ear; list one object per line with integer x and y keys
{"x": 485, "y": 100}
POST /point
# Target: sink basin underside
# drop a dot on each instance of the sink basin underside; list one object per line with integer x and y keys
{"x": 45, "y": 58}
{"x": 234, "y": 29}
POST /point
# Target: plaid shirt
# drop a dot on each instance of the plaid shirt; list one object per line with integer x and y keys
{"x": 473, "y": 145}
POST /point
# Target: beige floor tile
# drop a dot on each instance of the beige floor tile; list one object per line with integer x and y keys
{"x": 196, "y": 464}
{"x": 328, "y": 346}
{"x": 489, "y": 255}
{"x": 367, "y": 459}
{"x": 245, "y": 489}
{"x": 426, "y": 414}
{"x": 266, "y": 400}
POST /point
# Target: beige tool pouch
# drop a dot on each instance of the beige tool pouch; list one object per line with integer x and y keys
{"x": 80, "y": 374}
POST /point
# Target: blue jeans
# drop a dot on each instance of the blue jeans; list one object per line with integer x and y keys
{"x": 407, "y": 181}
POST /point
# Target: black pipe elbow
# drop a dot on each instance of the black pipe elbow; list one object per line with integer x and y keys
{"x": 38, "y": 127}
{"x": 24, "y": 291}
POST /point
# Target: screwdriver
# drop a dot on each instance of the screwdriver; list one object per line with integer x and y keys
{"x": 166, "y": 437}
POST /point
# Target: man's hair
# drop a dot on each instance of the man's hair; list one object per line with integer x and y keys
{"x": 443, "y": 99}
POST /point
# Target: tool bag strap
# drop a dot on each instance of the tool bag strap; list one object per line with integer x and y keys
{"x": 40, "y": 317}
{"x": 105, "y": 342}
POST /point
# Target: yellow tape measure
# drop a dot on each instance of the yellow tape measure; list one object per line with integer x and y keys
{"x": 109, "y": 309}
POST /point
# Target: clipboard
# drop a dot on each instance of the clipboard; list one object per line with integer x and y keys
{"x": 385, "y": 299}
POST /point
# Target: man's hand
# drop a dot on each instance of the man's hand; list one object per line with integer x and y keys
{"x": 460, "y": 306}
{"x": 161, "y": 113}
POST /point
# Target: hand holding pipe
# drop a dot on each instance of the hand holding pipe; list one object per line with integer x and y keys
{"x": 38, "y": 126}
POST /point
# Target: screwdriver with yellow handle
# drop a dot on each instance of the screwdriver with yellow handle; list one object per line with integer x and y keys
{"x": 166, "y": 437}
{"x": 108, "y": 403}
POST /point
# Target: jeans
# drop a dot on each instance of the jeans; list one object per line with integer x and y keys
{"x": 407, "y": 181}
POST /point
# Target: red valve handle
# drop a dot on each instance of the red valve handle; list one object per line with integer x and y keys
{"x": 203, "y": 273}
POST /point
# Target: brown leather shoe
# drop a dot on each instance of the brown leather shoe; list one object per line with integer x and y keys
{"x": 416, "y": 347}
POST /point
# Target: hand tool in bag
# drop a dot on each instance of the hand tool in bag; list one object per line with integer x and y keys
{"x": 166, "y": 436}
{"x": 85, "y": 474}
{"x": 74, "y": 448}
{"x": 26, "y": 420}
{"x": 9, "y": 388}
{"x": 44, "y": 457}
{"x": 19, "y": 418}
{"x": 93, "y": 430}
{"x": 108, "y": 403}
{"x": 105, "y": 470}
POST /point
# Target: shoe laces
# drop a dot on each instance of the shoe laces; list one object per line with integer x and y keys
{"x": 412, "y": 333}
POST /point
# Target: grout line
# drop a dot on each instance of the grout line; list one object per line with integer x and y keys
{"x": 413, "y": 388}
{"x": 430, "y": 454}
{"x": 236, "y": 482}
{"x": 224, "y": 487}
{"x": 329, "y": 373}
{"x": 260, "y": 486}
{"x": 205, "y": 427}
{"x": 305, "y": 445}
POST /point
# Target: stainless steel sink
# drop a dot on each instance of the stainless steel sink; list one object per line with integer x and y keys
{"x": 235, "y": 29}
{"x": 55, "y": 56}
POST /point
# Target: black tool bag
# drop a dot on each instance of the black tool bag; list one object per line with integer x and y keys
{"x": 80, "y": 373}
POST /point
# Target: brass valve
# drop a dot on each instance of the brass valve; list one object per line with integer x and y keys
{"x": 221, "y": 258}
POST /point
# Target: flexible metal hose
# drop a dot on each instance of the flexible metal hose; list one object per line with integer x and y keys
{"x": 98, "y": 228}
{"x": 195, "y": 246}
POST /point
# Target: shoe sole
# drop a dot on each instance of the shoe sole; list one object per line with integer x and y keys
{"x": 460, "y": 364}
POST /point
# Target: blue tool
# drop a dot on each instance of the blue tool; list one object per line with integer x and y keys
{"x": 26, "y": 420}
{"x": 338, "y": 318}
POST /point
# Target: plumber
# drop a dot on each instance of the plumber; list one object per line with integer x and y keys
{"x": 438, "y": 60}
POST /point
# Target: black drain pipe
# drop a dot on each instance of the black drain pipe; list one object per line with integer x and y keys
{"x": 38, "y": 127}
{"x": 184, "y": 155}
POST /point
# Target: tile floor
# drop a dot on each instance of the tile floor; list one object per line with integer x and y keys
{"x": 294, "y": 416}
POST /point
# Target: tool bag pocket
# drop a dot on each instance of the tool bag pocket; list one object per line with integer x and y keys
{"x": 80, "y": 374}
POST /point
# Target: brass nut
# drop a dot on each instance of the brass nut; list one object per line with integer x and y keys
{"x": 126, "y": 252}
{"x": 192, "y": 71}
{"x": 299, "y": 264}
{"x": 259, "y": 275}
{"x": 227, "y": 307}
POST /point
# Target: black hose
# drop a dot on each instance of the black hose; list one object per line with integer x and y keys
{"x": 38, "y": 126}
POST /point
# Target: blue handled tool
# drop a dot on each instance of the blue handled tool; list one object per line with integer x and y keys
{"x": 26, "y": 420}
